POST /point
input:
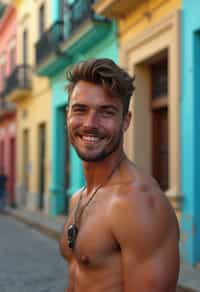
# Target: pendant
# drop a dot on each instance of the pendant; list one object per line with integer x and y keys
{"x": 72, "y": 233}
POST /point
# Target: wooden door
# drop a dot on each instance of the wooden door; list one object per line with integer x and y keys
{"x": 42, "y": 157}
{"x": 160, "y": 146}
{"x": 2, "y": 156}
{"x": 26, "y": 166}
{"x": 159, "y": 107}
{"x": 12, "y": 171}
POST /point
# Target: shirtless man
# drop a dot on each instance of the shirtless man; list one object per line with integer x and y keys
{"x": 121, "y": 234}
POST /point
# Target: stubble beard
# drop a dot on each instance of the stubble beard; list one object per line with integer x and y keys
{"x": 104, "y": 153}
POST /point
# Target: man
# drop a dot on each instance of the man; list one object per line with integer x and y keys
{"x": 121, "y": 234}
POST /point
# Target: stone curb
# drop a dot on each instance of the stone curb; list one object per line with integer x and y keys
{"x": 40, "y": 227}
{"x": 184, "y": 289}
{"x": 43, "y": 228}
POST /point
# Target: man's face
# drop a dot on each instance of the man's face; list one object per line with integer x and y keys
{"x": 95, "y": 122}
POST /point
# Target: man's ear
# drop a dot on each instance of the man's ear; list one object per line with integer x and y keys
{"x": 127, "y": 120}
{"x": 66, "y": 112}
{"x": 67, "y": 109}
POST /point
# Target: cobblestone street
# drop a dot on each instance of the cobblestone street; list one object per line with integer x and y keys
{"x": 29, "y": 261}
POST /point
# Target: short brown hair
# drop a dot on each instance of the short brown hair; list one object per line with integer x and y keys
{"x": 116, "y": 81}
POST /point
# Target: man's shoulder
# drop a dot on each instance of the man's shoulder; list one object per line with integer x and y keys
{"x": 141, "y": 191}
{"x": 142, "y": 211}
{"x": 74, "y": 198}
{"x": 143, "y": 196}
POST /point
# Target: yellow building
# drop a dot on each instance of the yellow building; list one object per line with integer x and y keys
{"x": 33, "y": 102}
{"x": 149, "y": 42}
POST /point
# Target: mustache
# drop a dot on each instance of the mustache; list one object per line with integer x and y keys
{"x": 90, "y": 131}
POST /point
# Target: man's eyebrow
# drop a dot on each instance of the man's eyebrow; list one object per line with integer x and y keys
{"x": 110, "y": 106}
{"x": 78, "y": 105}
{"x": 101, "y": 107}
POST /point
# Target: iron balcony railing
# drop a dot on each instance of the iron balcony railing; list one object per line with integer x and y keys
{"x": 49, "y": 41}
{"x": 72, "y": 17}
{"x": 20, "y": 78}
{"x": 79, "y": 11}
{"x": 4, "y": 104}
{"x": 2, "y": 100}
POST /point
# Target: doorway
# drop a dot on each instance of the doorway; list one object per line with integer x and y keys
{"x": 2, "y": 155}
{"x": 26, "y": 167}
{"x": 159, "y": 109}
{"x": 12, "y": 171}
{"x": 41, "y": 160}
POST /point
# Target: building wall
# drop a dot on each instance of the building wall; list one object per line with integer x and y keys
{"x": 8, "y": 158}
{"x": 34, "y": 109}
{"x": 28, "y": 17}
{"x": 152, "y": 29}
{"x": 8, "y": 29}
{"x": 190, "y": 123}
{"x": 145, "y": 14}
{"x": 105, "y": 48}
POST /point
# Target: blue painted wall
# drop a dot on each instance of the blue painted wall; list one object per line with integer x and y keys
{"x": 55, "y": 10}
{"x": 105, "y": 48}
{"x": 190, "y": 132}
{"x": 59, "y": 137}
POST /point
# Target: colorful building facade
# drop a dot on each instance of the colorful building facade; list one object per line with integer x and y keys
{"x": 157, "y": 39}
{"x": 8, "y": 127}
{"x": 32, "y": 97}
{"x": 149, "y": 41}
{"x": 153, "y": 40}
{"x": 190, "y": 138}
{"x": 76, "y": 34}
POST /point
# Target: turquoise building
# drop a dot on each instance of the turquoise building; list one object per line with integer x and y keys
{"x": 190, "y": 135}
{"x": 76, "y": 34}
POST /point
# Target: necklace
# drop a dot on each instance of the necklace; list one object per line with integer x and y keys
{"x": 72, "y": 231}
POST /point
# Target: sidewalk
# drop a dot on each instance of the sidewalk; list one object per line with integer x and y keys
{"x": 189, "y": 279}
{"x": 52, "y": 226}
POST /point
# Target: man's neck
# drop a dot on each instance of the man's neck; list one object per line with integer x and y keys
{"x": 97, "y": 173}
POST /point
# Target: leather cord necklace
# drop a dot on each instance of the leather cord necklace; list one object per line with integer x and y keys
{"x": 72, "y": 230}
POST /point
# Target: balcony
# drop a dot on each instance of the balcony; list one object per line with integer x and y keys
{"x": 84, "y": 26}
{"x": 79, "y": 11}
{"x": 79, "y": 30}
{"x": 18, "y": 84}
{"x": 49, "y": 42}
{"x": 6, "y": 108}
{"x": 115, "y": 8}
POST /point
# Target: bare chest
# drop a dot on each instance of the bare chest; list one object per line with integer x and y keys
{"x": 94, "y": 242}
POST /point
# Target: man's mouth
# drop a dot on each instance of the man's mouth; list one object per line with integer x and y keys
{"x": 90, "y": 138}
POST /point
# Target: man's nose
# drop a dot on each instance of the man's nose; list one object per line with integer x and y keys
{"x": 90, "y": 119}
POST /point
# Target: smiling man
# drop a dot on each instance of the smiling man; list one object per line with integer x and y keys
{"x": 121, "y": 234}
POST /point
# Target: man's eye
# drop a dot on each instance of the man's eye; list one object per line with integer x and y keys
{"x": 107, "y": 113}
{"x": 78, "y": 110}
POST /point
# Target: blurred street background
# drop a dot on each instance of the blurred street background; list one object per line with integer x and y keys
{"x": 158, "y": 42}
{"x": 29, "y": 260}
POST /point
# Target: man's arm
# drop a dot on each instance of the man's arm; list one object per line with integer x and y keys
{"x": 146, "y": 228}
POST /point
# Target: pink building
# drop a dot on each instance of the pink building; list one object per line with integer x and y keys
{"x": 8, "y": 41}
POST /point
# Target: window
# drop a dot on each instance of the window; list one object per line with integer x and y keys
{"x": 12, "y": 58}
{"x": 159, "y": 79}
{"x": 2, "y": 76}
{"x": 25, "y": 46}
{"x": 41, "y": 19}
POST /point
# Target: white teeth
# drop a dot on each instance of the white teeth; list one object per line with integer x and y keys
{"x": 90, "y": 138}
